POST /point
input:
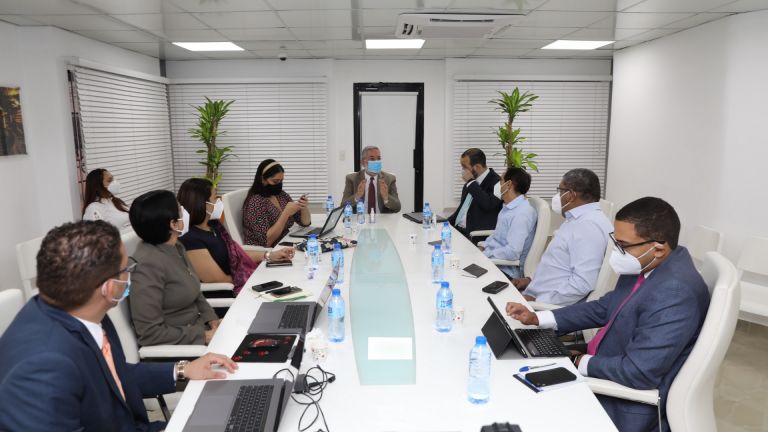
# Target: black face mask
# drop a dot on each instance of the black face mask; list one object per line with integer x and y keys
{"x": 270, "y": 189}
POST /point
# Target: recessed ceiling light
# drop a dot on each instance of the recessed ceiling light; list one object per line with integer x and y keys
{"x": 576, "y": 44}
{"x": 209, "y": 46}
{"x": 394, "y": 43}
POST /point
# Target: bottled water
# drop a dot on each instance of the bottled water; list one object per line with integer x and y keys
{"x": 337, "y": 260}
{"x": 372, "y": 217}
{"x": 444, "y": 303}
{"x": 445, "y": 236}
{"x": 348, "y": 217}
{"x": 313, "y": 252}
{"x": 438, "y": 264}
{"x": 336, "y": 317}
{"x": 479, "y": 387}
{"x": 329, "y": 205}
{"x": 360, "y": 213}
{"x": 427, "y": 214}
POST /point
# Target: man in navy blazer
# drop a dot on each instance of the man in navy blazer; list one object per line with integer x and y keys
{"x": 55, "y": 374}
{"x": 650, "y": 322}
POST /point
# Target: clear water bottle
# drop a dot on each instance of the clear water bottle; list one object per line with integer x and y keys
{"x": 479, "y": 386}
{"x": 329, "y": 205}
{"x": 427, "y": 214}
{"x": 372, "y": 217}
{"x": 348, "y": 217}
{"x": 336, "y": 317}
{"x": 360, "y": 213}
{"x": 445, "y": 236}
{"x": 313, "y": 252}
{"x": 337, "y": 260}
{"x": 438, "y": 264}
{"x": 444, "y": 304}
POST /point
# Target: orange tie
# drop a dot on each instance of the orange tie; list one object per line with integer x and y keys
{"x": 106, "y": 349}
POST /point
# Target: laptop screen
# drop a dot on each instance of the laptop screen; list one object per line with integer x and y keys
{"x": 332, "y": 220}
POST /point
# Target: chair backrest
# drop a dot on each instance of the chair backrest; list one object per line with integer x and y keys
{"x": 539, "y": 237}
{"x": 131, "y": 240}
{"x": 11, "y": 302}
{"x": 753, "y": 256}
{"x": 702, "y": 240}
{"x": 121, "y": 318}
{"x": 26, "y": 257}
{"x": 233, "y": 213}
{"x": 606, "y": 282}
{"x": 690, "y": 405}
{"x": 607, "y": 208}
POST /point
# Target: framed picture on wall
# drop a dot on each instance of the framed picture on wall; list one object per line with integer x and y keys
{"x": 11, "y": 128}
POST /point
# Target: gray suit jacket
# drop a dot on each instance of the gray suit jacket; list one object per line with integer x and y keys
{"x": 354, "y": 179}
{"x": 167, "y": 306}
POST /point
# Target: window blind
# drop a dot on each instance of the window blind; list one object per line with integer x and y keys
{"x": 567, "y": 128}
{"x": 282, "y": 121}
{"x": 124, "y": 128}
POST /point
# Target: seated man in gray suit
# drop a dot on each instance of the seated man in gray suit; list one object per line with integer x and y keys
{"x": 375, "y": 187}
{"x": 650, "y": 322}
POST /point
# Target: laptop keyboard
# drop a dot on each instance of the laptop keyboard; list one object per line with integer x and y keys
{"x": 250, "y": 410}
{"x": 545, "y": 342}
{"x": 294, "y": 316}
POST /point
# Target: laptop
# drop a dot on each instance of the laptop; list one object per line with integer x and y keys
{"x": 529, "y": 342}
{"x": 292, "y": 317}
{"x": 418, "y": 217}
{"x": 329, "y": 226}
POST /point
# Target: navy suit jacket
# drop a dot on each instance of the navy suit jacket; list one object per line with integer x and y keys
{"x": 649, "y": 340}
{"x": 485, "y": 206}
{"x": 53, "y": 377}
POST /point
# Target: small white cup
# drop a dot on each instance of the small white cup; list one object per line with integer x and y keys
{"x": 455, "y": 263}
{"x": 318, "y": 346}
{"x": 458, "y": 315}
{"x": 412, "y": 238}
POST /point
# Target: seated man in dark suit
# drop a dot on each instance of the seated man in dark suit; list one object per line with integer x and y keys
{"x": 650, "y": 322}
{"x": 375, "y": 187}
{"x": 61, "y": 363}
{"x": 480, "y": 203}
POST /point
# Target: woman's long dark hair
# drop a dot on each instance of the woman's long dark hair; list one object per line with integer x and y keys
{"x": 95, "y": 191}
{"x": 258, "y": 186}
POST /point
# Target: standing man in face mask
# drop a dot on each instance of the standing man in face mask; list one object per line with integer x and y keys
{"x": 650, "y": 322}
{"x": 569, "y": 267}
{"x": 375, "y": 187}
{"x": 480, "y": 203}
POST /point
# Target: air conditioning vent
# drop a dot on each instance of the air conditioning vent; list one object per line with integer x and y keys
{"x": 452, "y": 26}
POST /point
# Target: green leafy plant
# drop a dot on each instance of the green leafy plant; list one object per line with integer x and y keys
{"x": 512, "y": 104}
{"x": 210, "y": 115}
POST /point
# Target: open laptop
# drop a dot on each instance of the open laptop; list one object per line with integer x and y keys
{"x": 292, "y": 317}
{"x": 529, "y": 342}
{"x": 329, "y": 226}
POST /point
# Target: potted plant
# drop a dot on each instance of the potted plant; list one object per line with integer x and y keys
{"x": 513, "y": 104}
{"x": 210, "y": 115}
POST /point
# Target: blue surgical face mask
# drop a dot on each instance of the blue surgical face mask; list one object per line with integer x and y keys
{"x": 374, "y": 167}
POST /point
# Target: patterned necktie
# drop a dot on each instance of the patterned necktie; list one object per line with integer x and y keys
{"x": 106, "y": 350}
{"x": 371, "y": 196}
{"x": 595, "y": 342}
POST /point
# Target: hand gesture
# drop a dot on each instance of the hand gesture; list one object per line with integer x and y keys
{"x": 200, "y": 369}
{"x": 521, "y": 283}
{"x": 360, "y": 193}
{"x": 304, "y": 201}
{"x": 292, "y": 208}
{"x": 466, "y": 175}
{"x": 285, "y": 254}
{"x": 209, "y": 335}
{"x": 383, "y": 190}
{"x": 521, "y": 313}
{"x": 214, "y": 324}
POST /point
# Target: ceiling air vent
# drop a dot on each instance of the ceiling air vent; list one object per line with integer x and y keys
{"x": 452, "y": 26}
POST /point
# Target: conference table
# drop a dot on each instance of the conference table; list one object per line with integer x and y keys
{"x": 394, "y": 371}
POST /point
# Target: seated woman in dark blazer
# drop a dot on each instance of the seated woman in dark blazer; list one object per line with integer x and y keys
{"x": 268, "y": 211}
{"x": 167, "y": 306}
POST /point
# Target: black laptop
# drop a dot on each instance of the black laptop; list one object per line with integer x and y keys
{"x": 329, "y": 226}
{"x": 418, "y": 217}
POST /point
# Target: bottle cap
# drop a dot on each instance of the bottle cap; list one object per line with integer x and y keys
{"x": 480, "y": 340}
{"x": 444, "y": 284}
{"x": 337, "y": 292}
{"x": 437, "y": 246}
{"x": 313, "y": 236}
{"x": 446, "y": 224}
{"x": 337, "y": 246}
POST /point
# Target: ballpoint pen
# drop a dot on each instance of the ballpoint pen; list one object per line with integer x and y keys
{"x": 529, "y": 368}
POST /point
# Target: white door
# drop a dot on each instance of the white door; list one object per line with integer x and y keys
{"x": 388, "y": 121}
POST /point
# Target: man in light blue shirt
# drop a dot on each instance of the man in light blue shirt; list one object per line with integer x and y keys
{"x": 512, "y": 238}
{"x": 569, "y": 267}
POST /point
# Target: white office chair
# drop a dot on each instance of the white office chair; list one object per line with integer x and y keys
{"x": 690, "y": 405}
{"x": 11, "y": 302}
{"x": 607, "y": 208}
{"x": 26, "y": 257}
{"x": 754, "y": 296}
{"x": 233, "y": 217}
{"x": 702, "y": 240}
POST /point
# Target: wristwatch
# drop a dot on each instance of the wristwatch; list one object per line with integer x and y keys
{"x": 266, "y": 256}
{"x": 179, "y": 368}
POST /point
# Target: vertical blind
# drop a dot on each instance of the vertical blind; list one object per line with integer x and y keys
{"x": 281, "y": 121}
{"x": 567, "y": 128}
{"x": 124, "y": 128}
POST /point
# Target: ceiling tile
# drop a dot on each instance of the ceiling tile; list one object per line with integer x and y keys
{"x": 743, "y": 6}
{"x": 517, "y": 43}
{"x": 647, "y": 20}
{"x": 404, "y": 4}
{"x": 622, "y": 34}
{"x": 656, "y": 6}
{"x": 695, "y": 20}
{"x": 447, "y": 51}
{"x": 309, "y": 4}
{"x": 592, "y": 34}
{"x": 43, "y": 7}
{"x": 127, "y": 7}
{"x": 653, "y": 34}
{"x": 565, "y": 54}
{"x": 535, "y": 32}
{"x": 377, "y": 32}
{"x": 332, "y": 44}
{"x": 320, "y": 33}
{"x": 150, "y": 49}
{"x": 290, "y": 54}
{"x": 625, "y": 43}
{"x": 322, "y": 18}
{"x": 257, "y": 34}
{"x": 560, "y": 19}
{"x": 172, "y": 52}
{"x": 381, "y": 17}
{"x": 579, "y": 5}
{"x": 221, "y": 6}
{"x": 509, "y": 5}
{"x": 227, "y": 55}
{"x": 333, "y": 53}
{"x": 19, "y": 20}
{"x": 270, "y": 45}
{"x": 82, "y": 22}
{"x": 454, "y": 43}
{"x": 596, "y": 53}
{"x": 626, "y": 4}
{"x": 240, "y": 20}
{"x": 171, "y": 21}
{"x": 194, "y": 36}
{"x": 119, "y": 36}
{"x": 501, "y": 53}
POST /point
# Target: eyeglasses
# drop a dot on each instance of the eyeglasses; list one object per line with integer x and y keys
{"x": 623, "y": 248}
{"x": 130, "y": 268}
{"x": 560, "y": 190}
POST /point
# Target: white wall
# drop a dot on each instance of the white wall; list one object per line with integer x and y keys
{"x": 687, "y": 126}
{"x": 39, "y": 189}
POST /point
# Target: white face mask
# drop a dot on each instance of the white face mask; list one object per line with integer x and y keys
{"x": 627, "y": 264}
{"x": 114, "y": 187}
{"x": 125, "y": 294}
{"x": 218, "y": 209}
{"x": 501, "y": 193}
{"x": 185, "y": 221}
{"x": 557, "y": 205}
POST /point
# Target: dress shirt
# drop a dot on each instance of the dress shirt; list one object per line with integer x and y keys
{"x": 569, "y": 267}
{"x": 513, "y": 236}
{"x": 376, "y": 188}
{"x": 462, "y": 221}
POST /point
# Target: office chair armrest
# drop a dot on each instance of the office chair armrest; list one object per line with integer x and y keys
{"x": 610, "y": 388}
{"x": 220, "y": 302}
{"x": 216, "y": 286}
{"x": 543, "y": 306}
{"x": 481, "y": 233}
{"x": 171, "y": 351}
{"x": 481, "y": 244}
{"x": 502, "y": 262}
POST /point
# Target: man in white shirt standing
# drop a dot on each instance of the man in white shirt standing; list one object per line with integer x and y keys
{"x": 375, "y": 187}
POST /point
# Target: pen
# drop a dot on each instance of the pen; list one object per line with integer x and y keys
{"x": 529, "y": 368}
{"x": 526, "y": 383}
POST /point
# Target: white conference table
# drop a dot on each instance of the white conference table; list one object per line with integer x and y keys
{"x": 437, "y": 401}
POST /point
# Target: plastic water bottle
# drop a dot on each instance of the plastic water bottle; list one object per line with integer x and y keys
{"x": 438, "y": 264}
{"x": 313, "y": 250}
{"x": 360, "y": 213}
{"x": 479, "y": 386}
{"x": 329, "y": 205}
{"x": 445, "y": 236}
{"x": 444, "y": 303}
{"x": 337, "y": 260}
{"x": 427, "y": 214}
{"x": 348, "y": 217}
{"x": 336, "y": 317}
{"x": 372, "y": 217}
